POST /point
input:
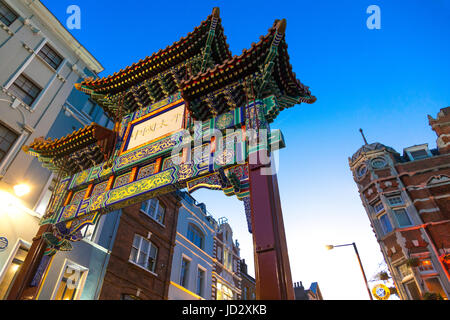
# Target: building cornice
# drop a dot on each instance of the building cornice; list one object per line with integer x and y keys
{"x": 48, "y": 19}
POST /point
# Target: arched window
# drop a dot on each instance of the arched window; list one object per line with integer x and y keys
{"x": 196, "y": 236}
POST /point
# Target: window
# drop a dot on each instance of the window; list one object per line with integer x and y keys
{"x": 223, "y": 292}
{"x": 378, "y": 207}
{"x": 154, "y": 210}
{"x": 12, "y": 271}
{"x": 378, "y": 163}
{"x": 184, "y": 272}
{"x": 404, "y": 270}
{"x": 195, "y": 236}
{"x": 419, "y": 154}
{"x": 144, "y": 253}
{"x": 425, "y": 265}
{"x": 413, "y": 291}
{"x": 88, "y": 231}
{"x": 435, "y": 286}
{"x": 89, "y": 108}
{"x": 361, "y": 171}
{"x": 395, "y": 201}
{"x": 7, "y": 16}
{"x": 228, "y": 259}
{"x": 200, "y": 282}
{"x": 7, "y": 139}
{"x": 50, "y": 56}
{"x": 402, "y": 218}
{"x": 71, "y": 283}
{"x": 25, "y": 89}
{"x": 385, "y": 223}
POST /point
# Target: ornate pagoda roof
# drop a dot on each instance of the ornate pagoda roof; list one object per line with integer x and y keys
{"x": 77, "y": 151}
{"x": 202, "y": 68}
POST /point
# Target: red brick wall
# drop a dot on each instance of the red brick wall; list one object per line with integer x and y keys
{"x": 123, "y": 277}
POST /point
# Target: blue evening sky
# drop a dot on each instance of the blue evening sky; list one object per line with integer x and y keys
{"x": 385, "y": 81}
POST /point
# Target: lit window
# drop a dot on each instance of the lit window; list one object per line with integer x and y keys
{"x": 395, "y": 201}
{"x": 50, "y": 56}
{"x": 153, "y": 209}
{"x": 25, "y": 90}
{"x": 7, "y": 139}
{"x": 200, "y": 282}
{"x": 425, "y": 265}
{"x": 385, "y": 223}
{"x": 71, "y": 284}
{"x": 7, "y": 16}
{"x": 402, "y": 218}
{"x": 12, "y": 271}
{"x": 144, "y": 253}
{"x": 378, "y": 207}
{"x": 195, "y": 236}
{"x": 223, "y": 292}
{"x": 184, "y": 272}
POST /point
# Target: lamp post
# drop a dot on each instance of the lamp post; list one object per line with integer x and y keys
{"x": 330, "y": 247}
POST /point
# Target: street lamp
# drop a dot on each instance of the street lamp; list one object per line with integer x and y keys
{"x": 331, "y": 247}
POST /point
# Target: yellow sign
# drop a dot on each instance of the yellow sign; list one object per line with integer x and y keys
{"x": 381, "y": 292}
{"x": 153, "y": 127}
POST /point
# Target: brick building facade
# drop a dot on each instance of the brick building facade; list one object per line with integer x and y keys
{"x": 141, "y": 258}
{"x": 248, "y": 283}
{"x": 407, "y": 199}
{"x": 226, "y": 280}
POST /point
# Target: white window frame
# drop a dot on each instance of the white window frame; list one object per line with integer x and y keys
{"x": 84, "y": 273}
{"x": 154, "y": 214}
{"x": 141, "y": 238}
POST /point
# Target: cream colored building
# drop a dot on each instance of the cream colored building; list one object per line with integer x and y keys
{"x": 40, "y": 61}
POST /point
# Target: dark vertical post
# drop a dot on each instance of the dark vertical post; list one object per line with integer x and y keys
{"x": 21, "y": 288}
{"x": 272, "y": 268}
{"x": 362, "y": 270}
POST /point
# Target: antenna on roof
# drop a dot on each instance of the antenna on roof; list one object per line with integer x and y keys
{"x": 364, "y": 137}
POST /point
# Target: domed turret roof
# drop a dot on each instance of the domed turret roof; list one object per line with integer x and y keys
{"x": 371, "y": 147}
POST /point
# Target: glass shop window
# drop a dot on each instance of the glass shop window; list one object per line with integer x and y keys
{"x": 435, "y": 286}
{"x": 71, "y": 284}
{"x": 12, "y": 271}
{"x": 223, "y": 292}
